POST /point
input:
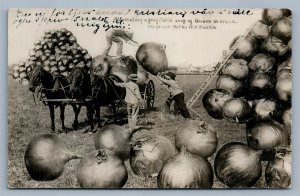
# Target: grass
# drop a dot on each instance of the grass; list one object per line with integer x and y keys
{"x": 25, "y": 119}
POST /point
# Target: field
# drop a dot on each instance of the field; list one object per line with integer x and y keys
{"x": 25, "y": 119}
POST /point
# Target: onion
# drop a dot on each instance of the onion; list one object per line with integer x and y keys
{"x": 282, "y": 29}
{"x": 274, "y": 46}
{"x": 284, "y": 73}
{"x": 152, "y": 57}
{"x": 284, "y": 89}
{"x": 46, "y": 156}
{"x": 238, "y": 165}
{"x": 263, "y": 108}
{"x": 114, "y": 138}
{"x": 149, "y": 154}
{"x": 199, "y": 138}
{"x": 101, "y": 169}
{"x": 230, "y": 84}
{"x": 186, "y": 171}
{"x": 287, "y": 117}
{"x": 261, "y": 85}
{"x": 279, "y": 171}
{"x": 262, "y": 63}
{"x": 246, "y": 48}
{"x": 266, "y": 135}
{"x": 287, "y": 64}
{"x": 213, "y": 102}
{"x": 270, "y": 15}
{"x": 237, "y": 109}
{"x": 260, "y": 30}
{"x": 236, "y": 68}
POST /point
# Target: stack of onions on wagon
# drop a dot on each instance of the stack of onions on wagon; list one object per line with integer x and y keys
{"x": 255, "y": 87}
{"x": 57, "y": 52}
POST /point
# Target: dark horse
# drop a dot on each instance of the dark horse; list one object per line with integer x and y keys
{"x": 104, "y": 93}
{"x": 53, "y": 87}
{"x": 80, "y": 89}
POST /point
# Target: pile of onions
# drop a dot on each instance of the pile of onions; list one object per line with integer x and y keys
{"x": 236, "y": 68}
{"x": 237, "y": 109}
{"x": 260, "y": 30}
{"x": 266, "y": 135}
{"x": 279, "y": 171}
{"x": 282, "y": 29}
{"x": 214, "y": 100}
{"x": 152, "y": 57}
{"x": 186, "y": 171}
{"x": 284, "y": 89}
{"x": 237, "y": 165}
{"x": 264, "y": 108}
{"x": 262, "y": 63}
{"x": 271, "y": 15}
{"x": 229, "y": 83}
{"x": 114, "y": 138}
{"x": 46, "y": 156}
{"x": 198, "y": 137}
{"x": 274, "y": 46}
{"x": 101, "y": 169}
{"x": 261, "y": 85}
{"x": 149, "y": 154}
{"x": 246, "y": 48}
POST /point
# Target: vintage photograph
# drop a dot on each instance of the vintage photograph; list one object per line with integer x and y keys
{"x": 195, "y": 98}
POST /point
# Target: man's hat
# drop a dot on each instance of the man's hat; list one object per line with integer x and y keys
{"x": 133, "y": 77}
{"x": 172, "y": 75}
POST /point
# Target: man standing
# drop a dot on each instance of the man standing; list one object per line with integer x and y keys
{"x": 176, "y": 93}
{"x": 116, "y": 35}
{"x": 132, "y": 98}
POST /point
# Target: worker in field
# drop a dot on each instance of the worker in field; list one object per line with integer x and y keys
{"x": 133, "y": 98}
{"x": 176, "y": 94}
{"x": 117, "y": 36}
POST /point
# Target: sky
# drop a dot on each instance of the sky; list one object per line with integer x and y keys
{"x": 199, "y": 47}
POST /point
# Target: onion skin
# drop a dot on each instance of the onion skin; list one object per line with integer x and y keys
{"x": 152, "y": 57}
{"x": 101, "y": 169}
{"x": 213, "y": 102}
{"x": 149, "y": 154}
{"x": 237, "y": 68}
{"x": 198, "y": 137}
{"x": 238, "y": 110}
{"x": 114, "y": 138}
{"x": 46, "y": 156}
{"x": 237, "y": 165}
{"x": 266, "y": 135}
{"x": 263, "y": 63}
{"x": 279, "y": 171}
{"x": 230, "y": 84}
{"x": 186, "y": 171}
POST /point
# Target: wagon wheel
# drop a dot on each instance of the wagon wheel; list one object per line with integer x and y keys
{"x": 150, "y": 94}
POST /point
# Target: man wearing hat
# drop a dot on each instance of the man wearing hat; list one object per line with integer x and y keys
{"x": 176, "y": 93}
{"x": 116, "y": 35}
{"x": 132, "y": 98}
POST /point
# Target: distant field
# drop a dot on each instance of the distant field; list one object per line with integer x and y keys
{"x": 25, "y": 119}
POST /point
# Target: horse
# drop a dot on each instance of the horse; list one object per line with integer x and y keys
{"x": 104, "y": 93}
{"x": 53, "y": 87}
{"x": 80, "y": 88}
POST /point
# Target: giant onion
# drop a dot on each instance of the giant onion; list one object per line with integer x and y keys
{"x": 213, "y": 102}
{"x": 238, "y": 165}
{"x": 274, "y": 46}
{"x": 230, "y": 84}
{"x": 282, "y": 29}
{"x": 260, "y": 30}
{"x": 114, "y": 138}
{"x": 237, "y": 68}
{"x": 238, "y": 110}
{"x": 262, "y": 63}
{"x": 271, "y": 15}
{"x": 148, "y": 154}
{"x": 246, "y": 48}
{"x": 46, "y": 156}
{"x": 284, "y": 89}
{"x": 101, "y": 169}
{"x": 266, "y": 135}
{"x": 279, "y": 171}
{"x": 199, "y": 138}
{"x": 186, "y": 171}
{"x": 264, "y": 108}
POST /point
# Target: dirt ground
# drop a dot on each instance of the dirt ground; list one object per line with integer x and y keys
{"x": 26, "y": 119}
